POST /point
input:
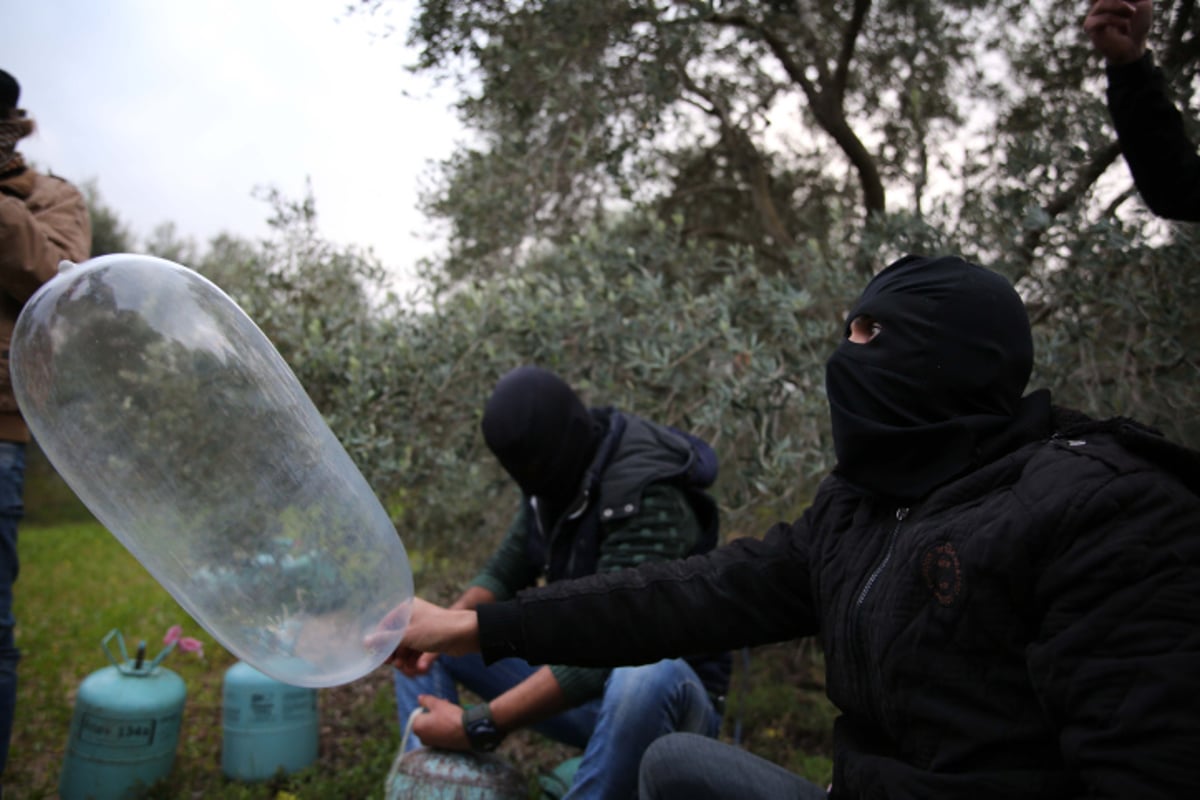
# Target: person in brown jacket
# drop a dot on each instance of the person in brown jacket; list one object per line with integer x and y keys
{"x": 43, "y": 220}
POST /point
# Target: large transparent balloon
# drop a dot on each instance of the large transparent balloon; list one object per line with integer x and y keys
{"x": 179, "y": 425}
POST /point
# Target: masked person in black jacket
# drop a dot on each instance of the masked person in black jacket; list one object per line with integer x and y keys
{"x": 1005, "y": 592}
{"x": 601, "y": 489}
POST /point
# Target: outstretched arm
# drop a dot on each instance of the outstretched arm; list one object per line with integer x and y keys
{"x": 748, "y": 592}
{"x": 751, "y": 591}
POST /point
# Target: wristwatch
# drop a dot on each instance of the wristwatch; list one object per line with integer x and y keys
{"x": 481, "y": 729}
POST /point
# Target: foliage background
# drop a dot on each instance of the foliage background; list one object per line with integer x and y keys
{"x": 673, "y": 204}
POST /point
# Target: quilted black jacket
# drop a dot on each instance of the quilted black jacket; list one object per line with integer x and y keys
{"x": 1030, "y": 630}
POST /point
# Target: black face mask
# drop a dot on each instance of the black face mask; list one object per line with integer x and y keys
{"x": 542, "y": 435}
{"x": 938, "y": 390}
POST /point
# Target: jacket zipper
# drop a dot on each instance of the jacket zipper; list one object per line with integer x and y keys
{"x": 548, "y": 540}
{"x": 541, "y": 531}
{"x": 858, "y": 638}
{"x": 901, "y": 513}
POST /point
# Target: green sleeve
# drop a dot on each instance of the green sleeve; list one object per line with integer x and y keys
{"x": 508, "y": 570}
{"x": 664, "y": 529}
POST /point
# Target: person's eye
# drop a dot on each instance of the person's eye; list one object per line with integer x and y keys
{"x": 863, "y": 329}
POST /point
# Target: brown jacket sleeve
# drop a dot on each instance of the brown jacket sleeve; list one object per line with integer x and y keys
{"x": 43, "y": 220}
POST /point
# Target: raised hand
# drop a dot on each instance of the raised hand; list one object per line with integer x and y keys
{"x": 1119, "y": 28}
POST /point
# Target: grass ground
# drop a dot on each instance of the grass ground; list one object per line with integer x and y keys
{"x": 77, "y": 583}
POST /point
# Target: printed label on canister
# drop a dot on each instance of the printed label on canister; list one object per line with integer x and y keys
{"x": 262, "y": 706}
{"x": 299, "y": 705}
{"x": 113, "y": 732}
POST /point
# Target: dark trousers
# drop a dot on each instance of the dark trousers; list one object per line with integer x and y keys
{"x": 12, "y": 481}
{"x": 683, "y": 765}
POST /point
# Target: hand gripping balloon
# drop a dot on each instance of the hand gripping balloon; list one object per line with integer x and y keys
{"x": 178, "y": 424}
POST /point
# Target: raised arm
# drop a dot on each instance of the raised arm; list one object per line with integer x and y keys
{"x": 1150, "y": 129}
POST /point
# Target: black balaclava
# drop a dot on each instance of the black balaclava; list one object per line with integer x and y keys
{"x": 542, "y": 434}
{"x": 939, "y": 390}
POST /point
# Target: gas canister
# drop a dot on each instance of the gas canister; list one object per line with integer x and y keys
{"x": 269, "y": 726}
{"x": 124, "y": 727}
{"x": 427, "y": 773}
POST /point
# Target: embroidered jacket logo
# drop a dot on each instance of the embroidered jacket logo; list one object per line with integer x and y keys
{"x": 942, "y": 573}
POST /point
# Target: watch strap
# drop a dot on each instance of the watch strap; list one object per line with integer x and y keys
{"x": 480, "y": 728}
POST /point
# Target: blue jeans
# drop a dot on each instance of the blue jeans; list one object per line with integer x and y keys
{"x": 682, "y": 765}
{"x": 639, "y": 705}
{"x": 12, "y": 483}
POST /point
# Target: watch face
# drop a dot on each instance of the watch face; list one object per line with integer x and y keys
{"x": 486, "y": 737}
{"x": 483, "y": 735}
{"x": 481, "y": 728}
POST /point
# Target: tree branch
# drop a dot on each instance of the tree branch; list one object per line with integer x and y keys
{"x": 749, "y": 159}
{"x": 1174, "y": 53}
{"x": 1087, "y": 176}
{"x": 825, "y": 102}
{"x": 849, "y": 41}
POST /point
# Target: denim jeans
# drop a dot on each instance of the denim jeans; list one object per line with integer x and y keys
{"x": 682, "y": 765}
{"x": 639, "y": 705}
{"x": 12, "y": 481}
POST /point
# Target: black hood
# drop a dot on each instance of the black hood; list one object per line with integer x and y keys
{"x": 939, "y": 389}
{"x": 541, "y": 433}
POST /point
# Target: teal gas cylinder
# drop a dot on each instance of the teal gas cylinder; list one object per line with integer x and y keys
{"x": 125, "y": 727}
{"x": 427, "y": 773}
{"x": 268, "y": 725}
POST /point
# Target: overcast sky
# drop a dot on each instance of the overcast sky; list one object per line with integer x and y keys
{"x": 178, "y": 109}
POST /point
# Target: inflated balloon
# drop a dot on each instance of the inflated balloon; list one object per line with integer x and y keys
{"x": 178, "y": 424}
